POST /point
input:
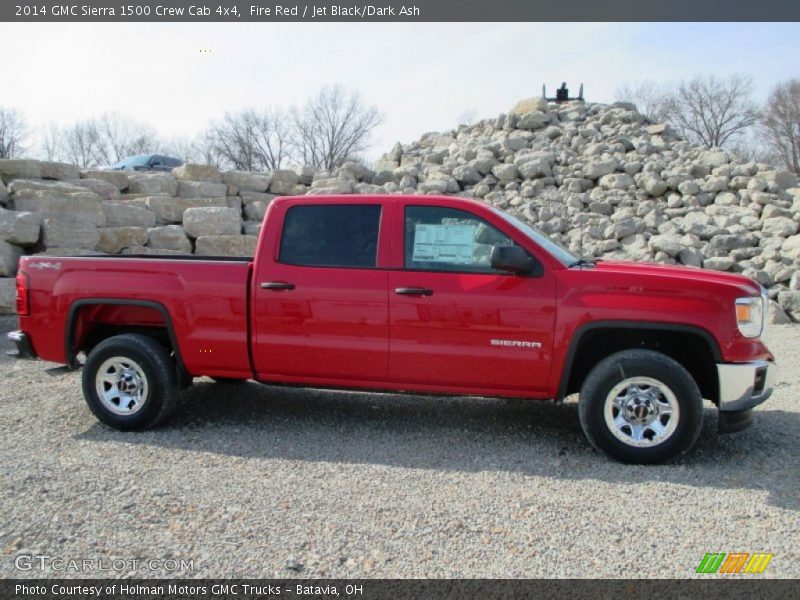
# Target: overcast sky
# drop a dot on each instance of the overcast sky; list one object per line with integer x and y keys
{"x": 422, "y": 76}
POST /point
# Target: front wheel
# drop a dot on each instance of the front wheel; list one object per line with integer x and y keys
{"x": 640, "y": 406}
{"x": 130, "y": 382}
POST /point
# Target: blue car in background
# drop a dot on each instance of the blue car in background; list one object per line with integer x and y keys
{"x": 147, "y": 162}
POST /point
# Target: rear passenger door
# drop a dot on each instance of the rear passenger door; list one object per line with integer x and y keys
{"x": 320, "y": 298}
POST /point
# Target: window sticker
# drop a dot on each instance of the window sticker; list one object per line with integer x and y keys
{"x": 444, "y": 243}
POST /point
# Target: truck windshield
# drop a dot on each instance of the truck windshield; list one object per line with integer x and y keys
{"x": 555, "y": 249}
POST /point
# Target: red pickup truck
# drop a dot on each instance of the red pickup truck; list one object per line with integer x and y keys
{"x": 409, "y": 293}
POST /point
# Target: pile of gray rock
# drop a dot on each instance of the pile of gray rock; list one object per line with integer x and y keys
{"x": 600, "y": 179}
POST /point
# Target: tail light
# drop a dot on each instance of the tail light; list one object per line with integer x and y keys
{"x": 23, "y": 296}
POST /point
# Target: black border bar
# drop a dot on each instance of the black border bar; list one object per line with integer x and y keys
{"x": 281, "y": 11}
{"x": 398, "y": 589}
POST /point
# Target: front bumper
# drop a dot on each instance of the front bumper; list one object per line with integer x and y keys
{"x": 24, "y": 349}
{"x": 741, "y": 387}
{"x": 745, "y": 385}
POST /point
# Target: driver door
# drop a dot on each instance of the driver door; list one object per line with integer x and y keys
{"x": 456, "y": 322}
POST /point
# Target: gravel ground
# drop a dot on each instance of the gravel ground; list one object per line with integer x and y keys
{"x": 258, "y": 481}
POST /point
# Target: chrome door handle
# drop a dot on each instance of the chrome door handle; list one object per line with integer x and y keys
{"x": 413, "y": 291}
{"x": 277, "y": 285}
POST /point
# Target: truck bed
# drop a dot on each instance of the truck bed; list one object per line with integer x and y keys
{"x": 202, "y": 300}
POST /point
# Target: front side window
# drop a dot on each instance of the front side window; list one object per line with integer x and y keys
{"x": 447, "y": 239}
{"x": 331, "y": 235}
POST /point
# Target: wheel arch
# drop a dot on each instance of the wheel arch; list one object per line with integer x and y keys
{"x": 693, "y": 347}
{"x": 73, "y": 321}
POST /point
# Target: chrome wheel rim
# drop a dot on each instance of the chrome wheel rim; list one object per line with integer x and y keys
{"x": 121, "y": 385}
{"x": 641, "y": 412}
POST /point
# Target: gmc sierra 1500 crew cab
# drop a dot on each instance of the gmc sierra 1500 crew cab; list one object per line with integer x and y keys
{"x": 428, "y": 294}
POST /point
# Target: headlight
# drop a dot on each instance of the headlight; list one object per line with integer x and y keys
{"x": 750, "y": 315}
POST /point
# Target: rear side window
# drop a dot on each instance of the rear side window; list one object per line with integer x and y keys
{"x": 331, "y": 235}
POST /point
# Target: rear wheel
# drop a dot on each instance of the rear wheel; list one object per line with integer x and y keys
{"x": 640, "y": 406}
{"x": 130, "y": 382}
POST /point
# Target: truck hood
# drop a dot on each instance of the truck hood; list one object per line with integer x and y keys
{"x": 687, "y": 274}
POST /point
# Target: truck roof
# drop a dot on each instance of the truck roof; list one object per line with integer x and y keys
{"x": 371, "y": 198}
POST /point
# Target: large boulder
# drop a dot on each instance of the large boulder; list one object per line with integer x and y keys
{"x": 128, "y": 215}
{"x": 20, "y": 228}
{"x": 105, "y": 189}
{"x": 19, "y": 168}
{"x": 247, "y": 181}
{"x": 212, "y": 221}
{"x": 153, "y": 183}
{"x": 82, "y": 207}
{"x": 616, "y": 181}
{"x": 713, "y": 158}
{"x": 596, "y": 168}
{"x": 779, "y": 226}
{"x": 505, "y": 173}
{"x": 653, "y": 184}
{"x": 529, "y": 105}
{"x": 332, "y": 185}
{"x": 170, "y": 210}
{"x": 283, "y": 181}
{"x": 669, "y": 244}
{"x": 226, "y": 245}
{"x": 119, "y": 179}
{"x": 537, "y": 167}
{"x": 63, "y": 234}
{"x": 43, "y": 185}
{"x": 195, "y": 172}
{"x": 9, "y": 258}
{"x": 721, "y": 245}
{"x": 3, "y": 193}
{"x": 533, "y": 120}
{"x": 114, "y": 239}
{"x": 59, "y": 170}
{"x": 467, "y": 175}
{"x": 305, "y": 173}
{"x": 169, "y": 237}
{"x": 201, "y": 189}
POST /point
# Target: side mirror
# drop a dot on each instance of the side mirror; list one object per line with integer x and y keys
{"x": 512, "y": 258}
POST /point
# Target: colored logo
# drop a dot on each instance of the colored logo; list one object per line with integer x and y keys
{"x": 735, "y": 562}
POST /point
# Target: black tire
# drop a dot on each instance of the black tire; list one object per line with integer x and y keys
{"x": 637, "y": 368}
{"x": 151, "y": 366}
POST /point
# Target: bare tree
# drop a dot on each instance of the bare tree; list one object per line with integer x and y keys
{"x": 14, "y": 133}
{"x": 102, "y": 141}
{"x": 334, "y": 126}
{"x": 781, "y": 124}
{"x": 79, "y": 144}
{"x": 713, "y": 111}
{"x": 50, "y": 141}
{"x": 120, "y": 136}
{"x": 468, "y": 117}
{"x": 651, "y": 98}
{"x": 250, "y": 140}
